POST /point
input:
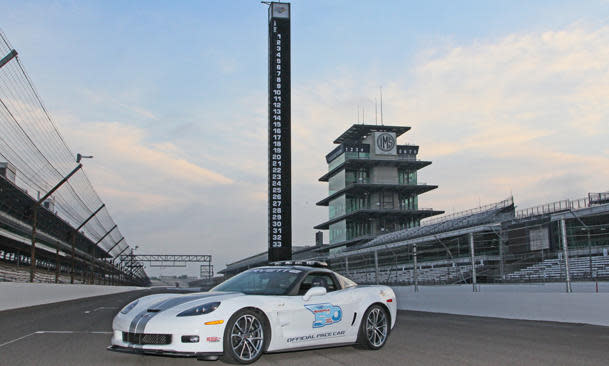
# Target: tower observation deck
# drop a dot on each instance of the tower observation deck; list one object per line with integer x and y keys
{"x": 373, "y": 187}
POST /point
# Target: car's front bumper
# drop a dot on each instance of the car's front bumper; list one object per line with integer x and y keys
{"x": 210, "y": 342}
{"x": 210, "y": 336}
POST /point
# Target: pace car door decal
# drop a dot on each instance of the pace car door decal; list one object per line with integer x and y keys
{"x": 325, "y": 314}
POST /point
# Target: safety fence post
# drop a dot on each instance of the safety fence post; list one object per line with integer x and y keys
{"x": 473, "y": 258}
{"x": 565, "y": 254}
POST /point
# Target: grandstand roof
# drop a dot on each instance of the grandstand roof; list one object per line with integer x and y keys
{"x": 494, "y": 213}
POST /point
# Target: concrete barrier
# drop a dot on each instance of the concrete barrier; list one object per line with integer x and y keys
{"x": 546, "y": 302}
{"x": 18, "y": 295}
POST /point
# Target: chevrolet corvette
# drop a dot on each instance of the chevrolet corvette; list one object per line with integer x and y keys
{"x": 282, "y": 307}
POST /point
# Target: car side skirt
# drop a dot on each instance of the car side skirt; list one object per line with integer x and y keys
{"x": 304, "y": 348}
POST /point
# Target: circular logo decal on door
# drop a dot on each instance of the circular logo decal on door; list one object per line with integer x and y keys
{"x": 385, "y": 142}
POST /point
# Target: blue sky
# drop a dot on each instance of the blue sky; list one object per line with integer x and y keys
{"x": 504, "y": 96}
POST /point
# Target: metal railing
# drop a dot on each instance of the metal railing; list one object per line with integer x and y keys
{"x": 571, "y": 251}
{"x": 502, "y": 204}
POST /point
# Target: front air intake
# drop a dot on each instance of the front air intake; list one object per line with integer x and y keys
{"x": 144, "y": 338}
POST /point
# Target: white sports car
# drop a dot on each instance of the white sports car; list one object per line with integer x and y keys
{"x": 266, "y": 309}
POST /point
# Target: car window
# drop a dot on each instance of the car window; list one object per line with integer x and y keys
{"x": 345, "y": 282}
{"x": 317, "y": 280}
{"x": 262, "y": 281}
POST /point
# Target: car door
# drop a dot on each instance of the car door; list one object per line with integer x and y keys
{"x": 319, "y": 320}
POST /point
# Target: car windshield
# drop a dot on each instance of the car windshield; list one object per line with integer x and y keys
{"x": 261, "y": 281}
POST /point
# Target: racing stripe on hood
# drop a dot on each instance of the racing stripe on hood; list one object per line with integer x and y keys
{"x": 141, "y": 324}
{"x": 175, "y": 301}
{"x": 133, "y": 326}
{"x": 167, "y": 304}
{"x": 135, "y": 320}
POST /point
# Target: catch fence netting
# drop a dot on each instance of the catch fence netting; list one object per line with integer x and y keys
{"x": 31, "y": 142}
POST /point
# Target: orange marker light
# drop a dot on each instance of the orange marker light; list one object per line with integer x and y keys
{"x": 214, "y": 322}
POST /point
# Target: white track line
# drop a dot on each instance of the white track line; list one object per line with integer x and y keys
{"x": 73, "y": 332}
{"x": 101, "y": 308}
{"x": 55, "y": 332}
{"x": 106, "y": 308}
{"x": 16, "y": 339}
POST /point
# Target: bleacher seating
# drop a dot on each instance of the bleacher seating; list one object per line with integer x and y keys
{"x": 13, "y": 271}
{"x": 425, "y": 274}
{"x": 553, "y": 269}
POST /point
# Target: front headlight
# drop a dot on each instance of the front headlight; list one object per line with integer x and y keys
{"x": 128, "y": 308}
{"x": 201, "y": 309}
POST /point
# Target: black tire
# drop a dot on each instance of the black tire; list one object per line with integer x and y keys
{"x": 374, "y": 328}
{"x": 245, "y": 338}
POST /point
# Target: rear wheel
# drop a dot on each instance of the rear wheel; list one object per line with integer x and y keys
{"x": 374, "y": 328}
{"x": 244, "y": 337}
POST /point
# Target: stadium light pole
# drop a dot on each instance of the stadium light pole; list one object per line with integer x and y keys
{"x": 37, "y": 205}
{"x": 79, "y": 157}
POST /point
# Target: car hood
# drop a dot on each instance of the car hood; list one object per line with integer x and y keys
{"x": 178, "y": 302}
{"x": 189, "y": 301}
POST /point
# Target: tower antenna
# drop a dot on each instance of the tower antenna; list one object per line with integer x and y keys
{"x": 381, "y": 105}
{"x": 376, "y": 121}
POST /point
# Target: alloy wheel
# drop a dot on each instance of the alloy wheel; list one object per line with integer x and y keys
{"x": 247, "y": 337}
{"x": 376, "y": 327}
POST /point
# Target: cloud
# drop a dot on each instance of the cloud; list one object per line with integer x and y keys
{"x": 526, "y": 113}
{"x": 133, "y": 93}
{"x": 135, "y": 176}
{"x": 535, "y": 105}
{"x": 124, "y": 145}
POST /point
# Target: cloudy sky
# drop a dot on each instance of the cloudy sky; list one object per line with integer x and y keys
{"x": 505, "y": 97}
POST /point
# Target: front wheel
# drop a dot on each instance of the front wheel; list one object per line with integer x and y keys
{"x": 374, "y": 328}
{"x": 244, "y": 337}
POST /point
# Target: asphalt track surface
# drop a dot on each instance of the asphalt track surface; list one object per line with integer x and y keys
{"x": 78, "y": 332}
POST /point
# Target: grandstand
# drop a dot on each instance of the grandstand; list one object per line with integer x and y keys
{"x": 553, "y": 269}
{"x": 489, "y": 244}
{"x": 53, "y": 225}
{"x": 500, "y": 243}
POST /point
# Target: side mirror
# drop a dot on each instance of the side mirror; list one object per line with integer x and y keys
{"x": 314, "y": 291}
